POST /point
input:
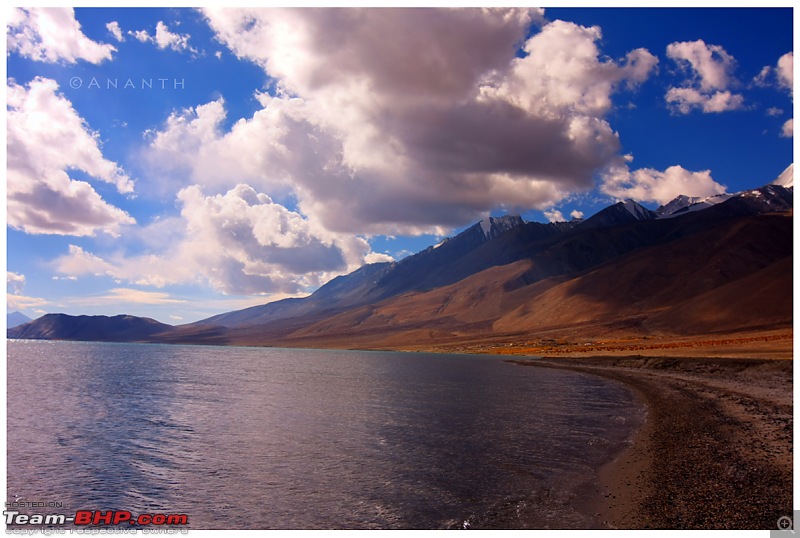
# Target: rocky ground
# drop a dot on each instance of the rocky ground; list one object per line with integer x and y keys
{"x": 764, "y": 344}
{"x": 716, "y": 448}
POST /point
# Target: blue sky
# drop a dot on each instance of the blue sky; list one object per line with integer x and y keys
{"x": 179, "y": 163}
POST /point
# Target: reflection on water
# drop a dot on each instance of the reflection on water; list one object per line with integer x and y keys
{"x": 286, "y": 439}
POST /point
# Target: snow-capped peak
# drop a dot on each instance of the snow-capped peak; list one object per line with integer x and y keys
{"x": 635, "y": 209}
{"x": 786, "y": 179}
{"x": 486, "y": 226}
{"x": 677, "y": 203}
{"x": 494, "y": 226}
{"x": 684, "y": 204}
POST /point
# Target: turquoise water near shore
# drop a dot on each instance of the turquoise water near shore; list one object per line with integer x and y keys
{"x": 262, "y": 438}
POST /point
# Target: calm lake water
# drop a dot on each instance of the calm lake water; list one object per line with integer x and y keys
{"x": 257, "y": 438}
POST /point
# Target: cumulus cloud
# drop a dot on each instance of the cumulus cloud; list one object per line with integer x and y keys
{"x": 710, "y": 69}
{"x": 383, "y": 122}
{"x": 115, "y": 30}
{"x": 140, "y": 35}
{"x": 240, "y": 242}
{"x": 787, "y": 131}
{"x": 15, "y": 282}
{"x": 52, "y": 35}
{"x": 554, "y": 215}
{"x": 164, "y": 38}
{"x": 46, "y": 139}
{"x": 261, "y": 237}
{"x": 686, "y": 99}
{"x": 649, "y": 185}
{"x": 785, "y": 71}
{"x": 79, "y": 262}
{"x": 378, "y": 257}
{"x": 711, "y": 64}
{"x": 781, "y": 75}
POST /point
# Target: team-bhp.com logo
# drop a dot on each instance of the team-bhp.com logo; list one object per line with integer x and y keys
{"x": 96, "y": 517}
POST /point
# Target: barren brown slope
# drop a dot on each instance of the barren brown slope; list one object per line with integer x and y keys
{"x": 762, "y": 300}
{"x": 667, "y": 288}
{"x": 733, "y": 276}
{"x": 449, "y": 313}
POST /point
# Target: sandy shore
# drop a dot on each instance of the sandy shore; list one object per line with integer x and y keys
{"x": 715, "y": 451}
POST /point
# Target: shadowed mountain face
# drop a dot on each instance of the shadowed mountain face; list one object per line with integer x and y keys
{"x": 733, "y": 276}
{"x": 90, "y": 328}
{"x": 724, "y": 267}
{"x": 443, "y": 264}
{"x": 619, "y": 213}
{"x": 16, "y": 318}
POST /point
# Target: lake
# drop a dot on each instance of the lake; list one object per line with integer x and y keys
{"x": 262, "y": 438}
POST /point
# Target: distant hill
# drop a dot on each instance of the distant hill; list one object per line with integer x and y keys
{"x": 16, "y": 318}
{"x": 89, "y": 328}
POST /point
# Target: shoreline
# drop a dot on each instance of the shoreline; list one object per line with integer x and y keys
{"x": 715, "y": 449}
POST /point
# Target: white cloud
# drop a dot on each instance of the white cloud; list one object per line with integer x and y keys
{"x": 79, "y": 262}
{"x": 576, "y": 214}
{"x": 378, "y": 257}
{"x": 787, "y": 131}
{"x": 140, "y": 35}
{"x": 52, "y": 35}
{"x": 163, "y": 38}
{"x": 563, "y": 73}
{"x": 785, "y": 71}
{"x": 711, "y": 63}
{"x": 21, "y": 302}
{"x": 762, "y": 79}
{"x": 115, "y": 30}
{"x": 783, "y": 74}
{"x": 15, "y": 282}
{"x": 554, "y": 215}
{"x": 639, "y": 64}
{"x": 46, "y": 139}
{"x": 240, "y": 242}
{"x": 649, "y": 185}
{"x": 710, "y": 70}
{"x": 260, "y": 243}
{"x": 383, "y": 123}
{"x": 686, "y": 99}
{"x": 784, "y": 79}
{"x": 128, "y": 295}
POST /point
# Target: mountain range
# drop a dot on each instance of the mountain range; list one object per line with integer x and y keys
{"x": 16, "y": 318}
{"x": 693, "y": 266}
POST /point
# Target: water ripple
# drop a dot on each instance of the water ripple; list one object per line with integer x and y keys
{"x": 300, "y": 439}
